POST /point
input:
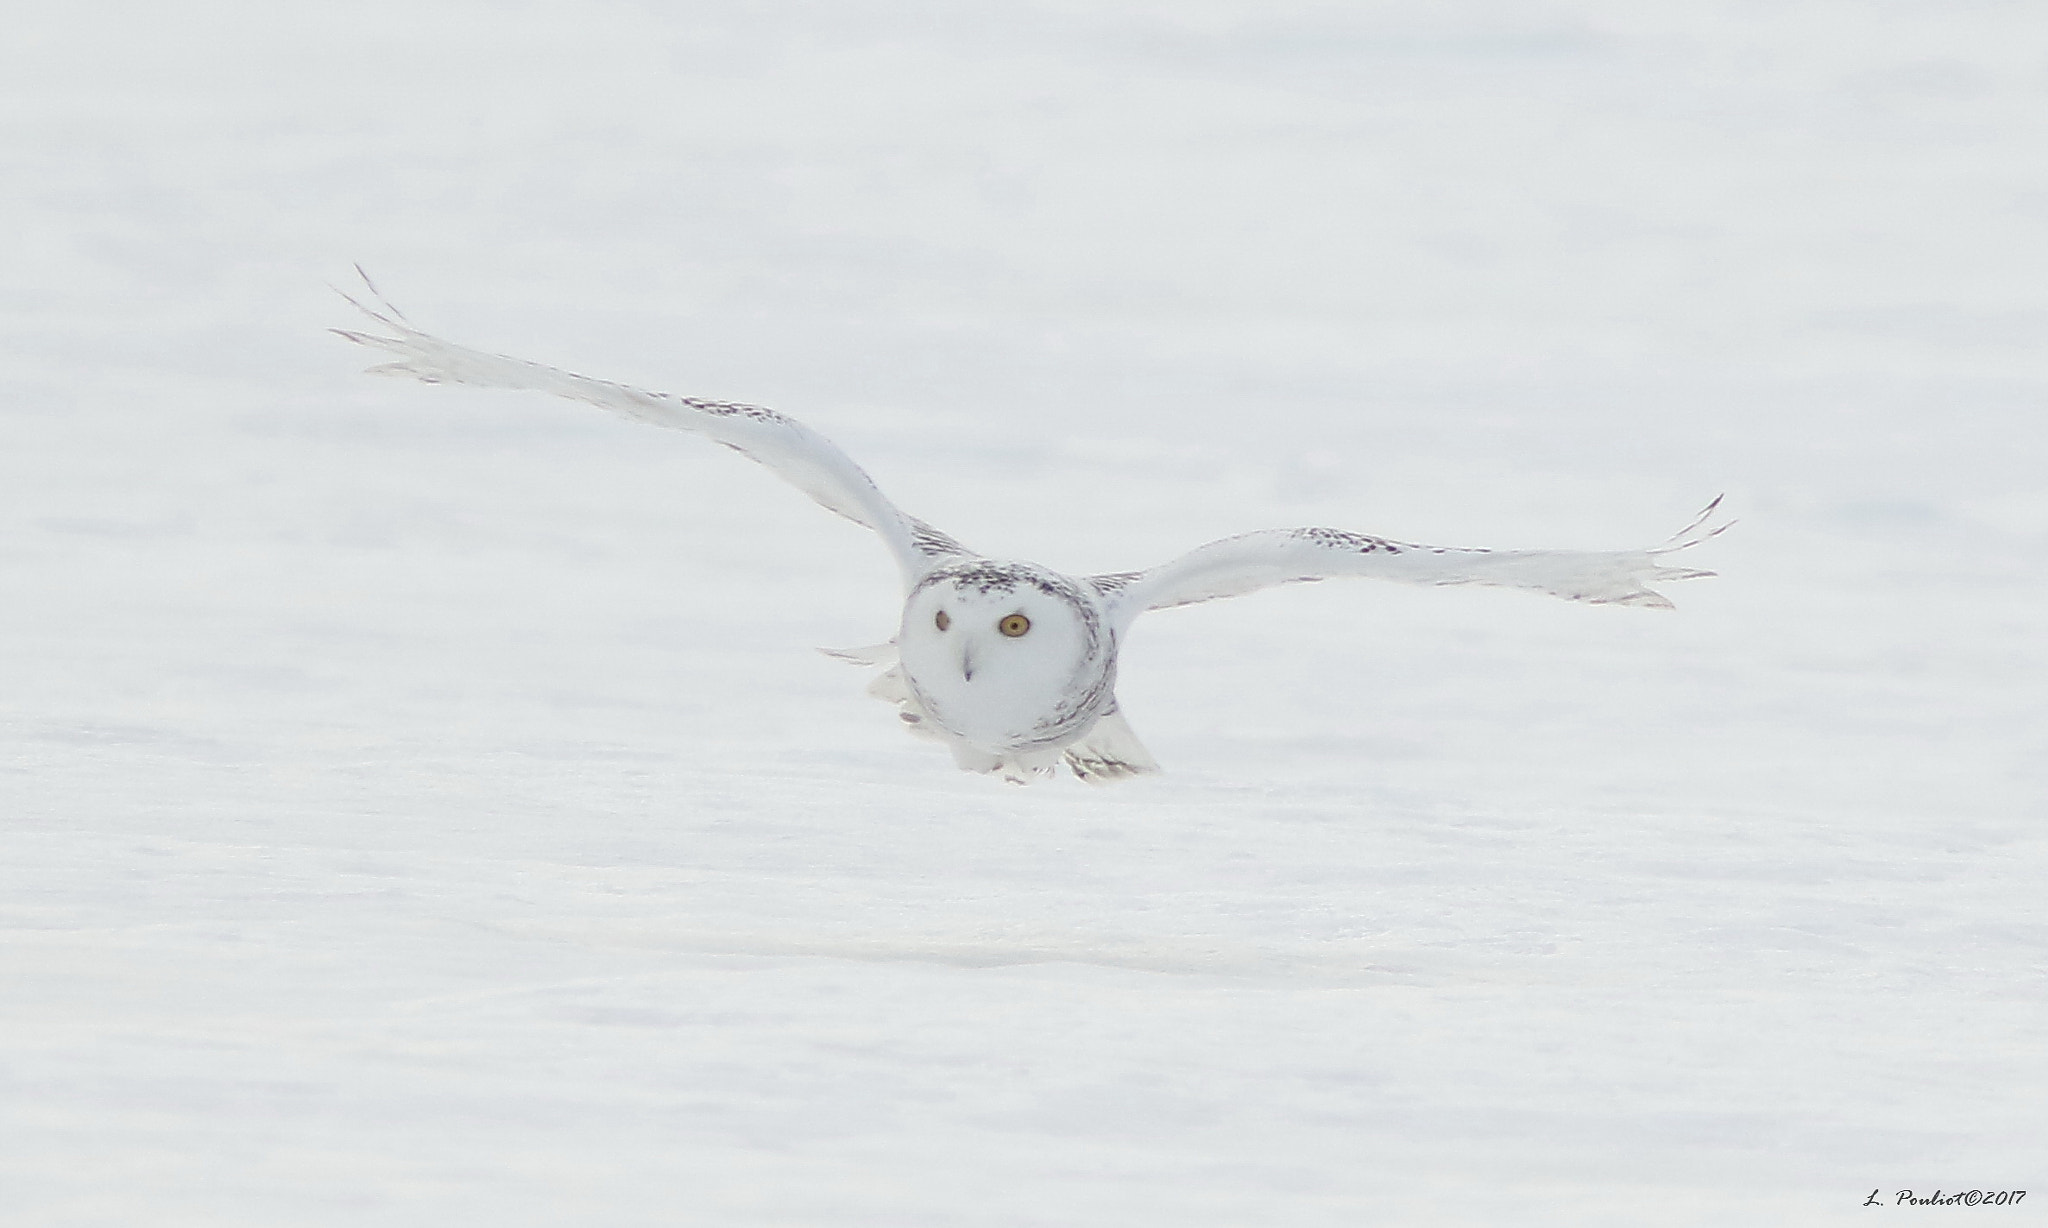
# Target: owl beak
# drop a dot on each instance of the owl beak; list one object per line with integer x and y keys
{"x": 967, "y": 664}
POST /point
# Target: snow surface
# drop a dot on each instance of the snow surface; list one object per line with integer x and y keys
{"x": 422, "y": 806}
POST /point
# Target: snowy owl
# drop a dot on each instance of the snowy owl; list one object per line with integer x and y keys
{"x": 1010, "y": 664}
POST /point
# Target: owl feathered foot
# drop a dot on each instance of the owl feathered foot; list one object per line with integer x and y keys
{"x": 1109, "y": 751}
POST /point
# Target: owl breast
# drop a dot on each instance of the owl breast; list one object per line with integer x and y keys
{"x": 1007, "y": 656}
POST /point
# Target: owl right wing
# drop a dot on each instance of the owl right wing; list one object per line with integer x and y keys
{"x": 794, "y": 452}
{"x": 1252, "y": 561}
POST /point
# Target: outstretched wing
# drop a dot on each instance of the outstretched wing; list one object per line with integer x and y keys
{"x": 1252, "y": 561}
{"x": 796, "y": 453}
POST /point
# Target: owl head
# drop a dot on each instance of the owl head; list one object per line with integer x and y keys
{"x": 1004, "y": 655}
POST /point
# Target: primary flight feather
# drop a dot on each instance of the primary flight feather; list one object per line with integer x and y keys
{"x": 1011, "y": 664}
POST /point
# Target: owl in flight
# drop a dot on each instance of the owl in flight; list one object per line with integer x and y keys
{"x": 1010, "y": 664}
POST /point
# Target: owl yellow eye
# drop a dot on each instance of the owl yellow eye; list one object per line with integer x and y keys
{"x": 943, "y": 621}
{"x": 1014, "y": 625}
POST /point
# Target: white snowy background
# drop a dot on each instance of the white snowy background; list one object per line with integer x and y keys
{"x": 423, "y": 806}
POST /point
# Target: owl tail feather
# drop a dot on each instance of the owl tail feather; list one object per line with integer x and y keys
{"x": 883, "y": 653}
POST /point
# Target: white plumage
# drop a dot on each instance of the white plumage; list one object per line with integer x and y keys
{"x": 1011, "y": 664}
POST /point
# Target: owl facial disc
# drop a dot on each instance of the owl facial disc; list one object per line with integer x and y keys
{"x": 1005, "y": 656}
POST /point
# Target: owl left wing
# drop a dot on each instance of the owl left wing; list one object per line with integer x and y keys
{"x": 794, "y": 452}
{"x": 1252, "y": 561}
